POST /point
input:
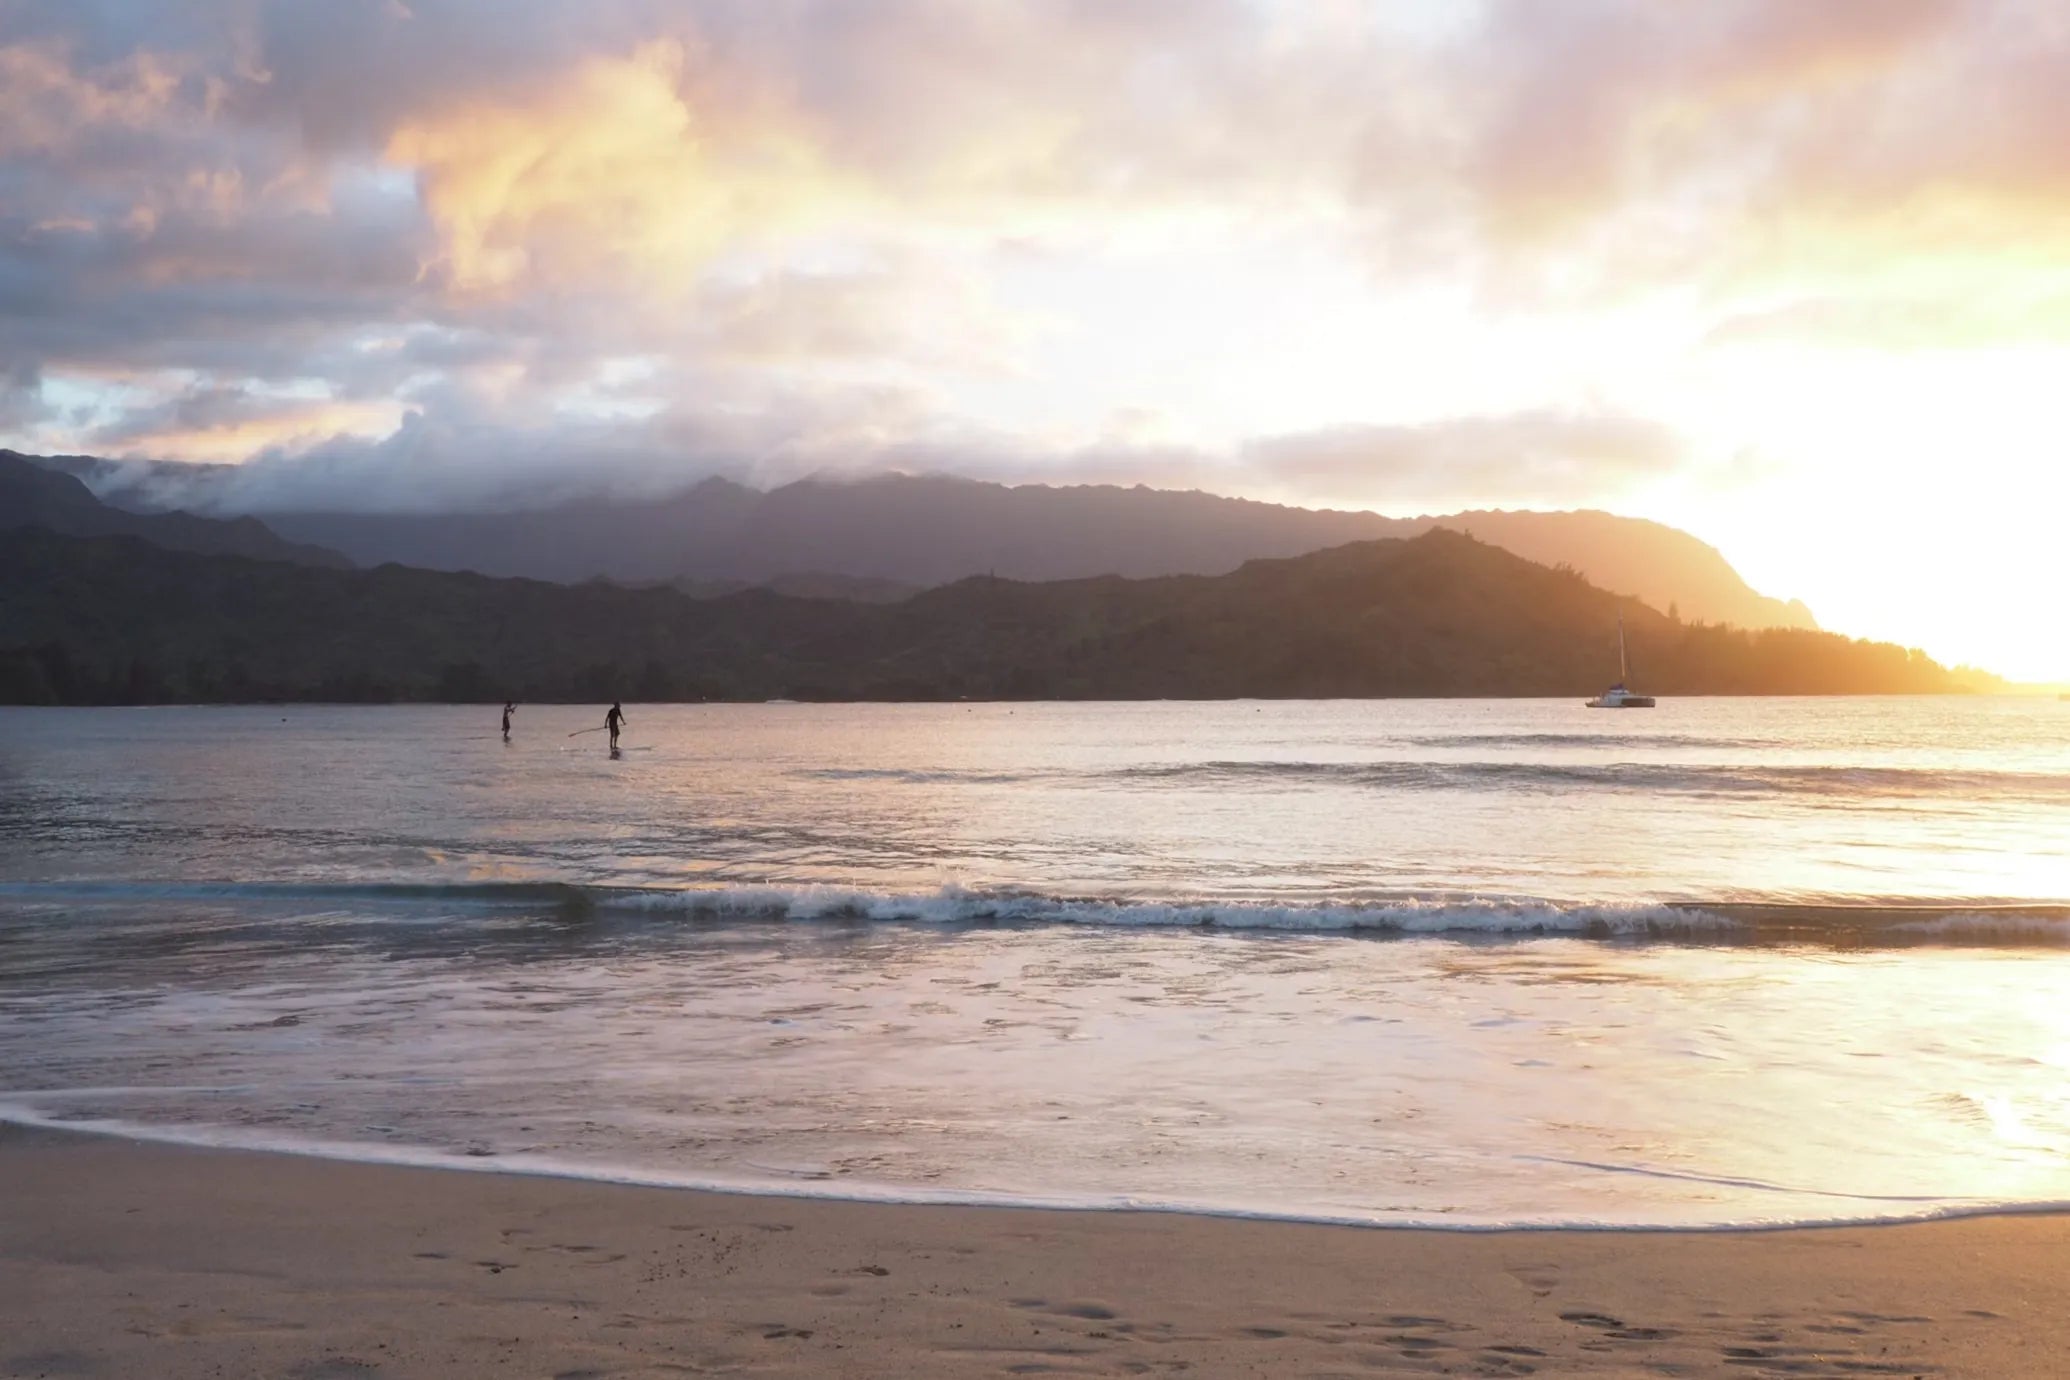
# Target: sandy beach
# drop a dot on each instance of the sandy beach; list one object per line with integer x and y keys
{"x": 127, "y": 1259}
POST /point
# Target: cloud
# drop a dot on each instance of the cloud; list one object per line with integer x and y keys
{"x": 216, "y": 422}
{"x": 21, "y": 396}
{"x": 609, "y": 171}
{"x": 772, "y": 233}
{"x": 467, "y": 446}
{"x": 1749, "y": 147}
{"x": 899, "y": 307}
{"x": 1895, "y": 322}
{"x": 457, "y": 452}
{"x": 1541, "y": 457}
{"x": 144, "y": 227}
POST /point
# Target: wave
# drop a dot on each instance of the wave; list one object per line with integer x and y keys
{"x": 950, "y": 905}
{"x": 1869, "y": 1210}
{"x": 1864, "y": 923}
{"x": 917, "y": 777}
{"x": 1653, "y": 778}
{"x": 954, "y": 905}
{"x": 547, "y": 893}
{"x": 1653, "y": 741}
{"x": 2017, "y": 926}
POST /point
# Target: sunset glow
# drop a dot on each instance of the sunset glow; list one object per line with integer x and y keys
{"x": 1776, "y": 273}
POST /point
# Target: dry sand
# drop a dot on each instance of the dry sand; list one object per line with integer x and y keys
{"x": 122, "y": 1259}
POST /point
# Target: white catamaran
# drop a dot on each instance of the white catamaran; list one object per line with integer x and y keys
{"x": 1617, "y": 697}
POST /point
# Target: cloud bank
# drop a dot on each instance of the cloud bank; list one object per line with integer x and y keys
{"x": 461, "y": 252}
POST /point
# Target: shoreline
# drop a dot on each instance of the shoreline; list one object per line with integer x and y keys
{"x": 15, "y": 1119}
{"x": 123, "y": 1257}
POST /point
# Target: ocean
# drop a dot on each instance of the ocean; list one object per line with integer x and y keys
{"x": 1474, "y": 964}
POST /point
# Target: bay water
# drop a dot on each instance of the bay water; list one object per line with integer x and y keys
{"x": 1726, "y": 963}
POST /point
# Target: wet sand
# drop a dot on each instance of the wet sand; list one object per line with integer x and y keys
{"x": 126, "y": 1259}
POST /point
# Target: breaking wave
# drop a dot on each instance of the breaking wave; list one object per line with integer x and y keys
{"x": 1869, "y": 923}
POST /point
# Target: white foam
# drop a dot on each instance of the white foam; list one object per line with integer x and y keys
{"x": 209, "y": 1137}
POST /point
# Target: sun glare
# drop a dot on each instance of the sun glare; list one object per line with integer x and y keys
{"x": 1907, "y": 496}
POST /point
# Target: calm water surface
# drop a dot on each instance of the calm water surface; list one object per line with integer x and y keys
{"x": 1470, "y": 963}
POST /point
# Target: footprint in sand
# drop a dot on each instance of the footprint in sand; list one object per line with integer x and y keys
{"x": 1428, "y": 1346}
{"x": 337, "y": 1368}
{"x": 1541, "y": 1280}
{"x": 1092, "y": 1312}
{"x": 591, "y": 1255}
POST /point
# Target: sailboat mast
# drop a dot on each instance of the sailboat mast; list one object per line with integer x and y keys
{"x": 1624, "y": 672}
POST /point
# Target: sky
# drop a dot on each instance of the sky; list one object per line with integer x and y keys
{"x": 1793, "y": 276}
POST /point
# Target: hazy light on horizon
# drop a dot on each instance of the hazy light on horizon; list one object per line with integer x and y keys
{"x": 1764, "y": 270}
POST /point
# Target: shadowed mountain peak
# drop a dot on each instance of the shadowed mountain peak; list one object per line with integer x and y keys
{"x": 925, "y": 530}
{"x": 34, "y": 494}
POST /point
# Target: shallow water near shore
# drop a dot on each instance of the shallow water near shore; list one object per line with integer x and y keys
{"x": 1476, "y": 964}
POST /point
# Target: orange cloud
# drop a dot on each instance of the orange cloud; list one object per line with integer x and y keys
{"x": 204, "y": 421}
{"x": 616, "y": 171}
{"x": 290, "y": 429}
{"x": 46, "y": 106}
{"x": 1752, "y": 151}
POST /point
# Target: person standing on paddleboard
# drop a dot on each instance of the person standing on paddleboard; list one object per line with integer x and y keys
{"x": 613, "y": 721}
{"x": 509, "y": 708}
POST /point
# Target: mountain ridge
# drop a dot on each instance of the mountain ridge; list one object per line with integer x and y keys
{"x": 927, "y": 530}
{"x": 32, "y": 494}
{"x": 116, "y": 619}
